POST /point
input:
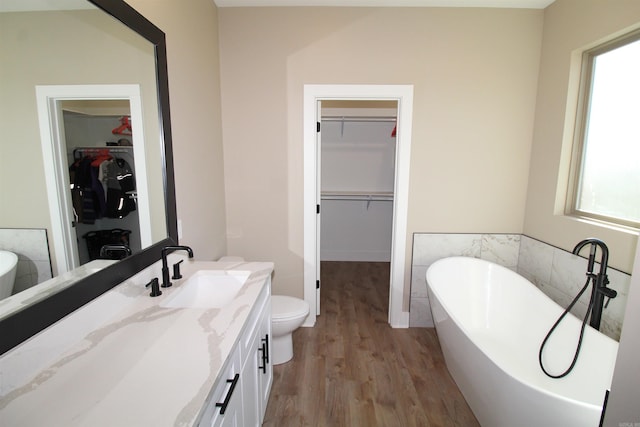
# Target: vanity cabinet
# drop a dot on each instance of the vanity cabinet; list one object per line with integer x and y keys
{"x": 241, "y": 392}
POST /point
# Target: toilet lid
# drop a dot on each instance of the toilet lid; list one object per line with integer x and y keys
{"x": 285, "y": 307}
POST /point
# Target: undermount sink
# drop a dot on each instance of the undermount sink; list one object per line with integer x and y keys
{"x": 207, "y": 289}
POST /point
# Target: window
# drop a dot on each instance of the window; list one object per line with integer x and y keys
{"x": 606, "y": 161}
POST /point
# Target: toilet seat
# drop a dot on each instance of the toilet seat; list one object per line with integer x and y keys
{"x": 286, "y": 308}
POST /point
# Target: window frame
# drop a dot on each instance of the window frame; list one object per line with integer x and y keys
{"x": 580, "y": 130}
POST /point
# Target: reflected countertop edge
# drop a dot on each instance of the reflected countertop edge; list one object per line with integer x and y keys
{"x": 43, "y": 290}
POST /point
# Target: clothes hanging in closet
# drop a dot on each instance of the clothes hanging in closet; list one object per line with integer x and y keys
{"x": 103, "y": 187}
{"x": 121, "y": 187}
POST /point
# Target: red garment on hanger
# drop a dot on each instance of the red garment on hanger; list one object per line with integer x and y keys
{"x": 124, "y": 128}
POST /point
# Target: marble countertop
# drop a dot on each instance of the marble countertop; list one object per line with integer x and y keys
{"x": 123, "y": 360}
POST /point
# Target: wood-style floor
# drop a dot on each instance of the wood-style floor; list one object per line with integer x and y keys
{"x": 353, "y": 369}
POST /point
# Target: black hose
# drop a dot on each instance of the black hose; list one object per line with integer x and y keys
{"x": 584, "y": 324}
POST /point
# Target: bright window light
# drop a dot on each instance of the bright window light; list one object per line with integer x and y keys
{"x": 607, "y": 185}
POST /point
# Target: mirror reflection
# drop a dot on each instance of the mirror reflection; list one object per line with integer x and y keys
{"x": 62, "y": 102}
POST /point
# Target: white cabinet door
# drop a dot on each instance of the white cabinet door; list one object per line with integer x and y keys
{"x": 257, "y": 365}
{"x": 225, "y": 408}
{"x": 251, "y": 405}
{"x": 233, "y": 415}
{"x": 265, "y": 374}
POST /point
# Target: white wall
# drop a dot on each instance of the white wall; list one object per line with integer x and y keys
{"x": 194, "y": 88}
{"x": 570, "y": 26}
{"x": 474, "y": 73}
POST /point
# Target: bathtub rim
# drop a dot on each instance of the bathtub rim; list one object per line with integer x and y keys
{"x": 484, "y": 351}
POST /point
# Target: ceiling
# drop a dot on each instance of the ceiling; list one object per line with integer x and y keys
{"x": 525, "y": 4}
{"x": 22, "y": 5}
{"x": 35, "y": 5}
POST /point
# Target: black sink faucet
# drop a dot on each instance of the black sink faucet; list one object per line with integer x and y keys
{"x": 600, "y": 280}
{"x": 165, "y": 267}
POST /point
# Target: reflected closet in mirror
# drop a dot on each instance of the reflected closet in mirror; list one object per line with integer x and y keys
{"x": 62, "y": 64}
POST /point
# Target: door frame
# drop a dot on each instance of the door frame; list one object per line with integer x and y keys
{"x": 56, "y": 169}
{"x": 403, "y": 94}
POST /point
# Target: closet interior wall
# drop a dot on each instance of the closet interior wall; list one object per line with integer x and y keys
{"x": 357, "y": 182}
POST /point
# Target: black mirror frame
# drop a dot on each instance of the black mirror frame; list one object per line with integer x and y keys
{"x": 31, "y": 320}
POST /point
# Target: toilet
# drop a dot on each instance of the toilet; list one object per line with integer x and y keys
{"x": 287, "y": 315}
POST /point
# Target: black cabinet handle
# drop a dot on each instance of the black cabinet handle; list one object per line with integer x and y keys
{"x": 266, "y": 343}
{"x": 264, "y": 363}
{"x": 265, "y": 354}
{"x": 227, "y": 398}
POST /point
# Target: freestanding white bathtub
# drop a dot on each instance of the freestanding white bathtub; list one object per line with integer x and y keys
{"x": 490, "y": 323}
{"x": 8, "y": 265}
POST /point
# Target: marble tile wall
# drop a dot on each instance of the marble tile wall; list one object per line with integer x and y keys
{"x": 561, "y": 275}
{"x": 31, "y": 246}
{"x": 556, "y": 272}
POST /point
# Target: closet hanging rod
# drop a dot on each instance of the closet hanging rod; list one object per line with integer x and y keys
{"x": 359, "y": 118}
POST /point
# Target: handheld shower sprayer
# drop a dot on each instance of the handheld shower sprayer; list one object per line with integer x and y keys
{"x": 596, "y": 303}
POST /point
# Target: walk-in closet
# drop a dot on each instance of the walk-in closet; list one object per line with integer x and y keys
{"x": 357, "y": 163}
{"x": 357, "y": 180}
{"x": 98, "y": 139}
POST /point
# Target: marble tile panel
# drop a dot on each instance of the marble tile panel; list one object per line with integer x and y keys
{"x": 428, "y": 247}
{"x": 616, "y": 307}
{"x": 419, "y": 281}
{"x": 26, "y": 243}
{"x": 502, "y": 249}
{"x": 619, "y": 281}
{"x": 611, "y": 327}
{"x": 31, "y": 246}
{"x": 420, "y": 313}
{"x": 43, "y": 270}
{"x": 530, "y": 277}
{"x": 536, "y": 258}
{"x": 568, "y": 272}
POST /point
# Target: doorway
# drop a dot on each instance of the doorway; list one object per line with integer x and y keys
{"x": 98, "y": 136}
{"x": 314, "y": 95}
{"x": 357, "y": 170}
{"x": 50, "y": 101}
{"x": 357, "y": 158}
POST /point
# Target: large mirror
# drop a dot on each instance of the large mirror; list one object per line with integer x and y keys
{"x": 80, "y": 80}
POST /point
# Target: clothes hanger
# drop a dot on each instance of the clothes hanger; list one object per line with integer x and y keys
{"x": 124, "y": 128}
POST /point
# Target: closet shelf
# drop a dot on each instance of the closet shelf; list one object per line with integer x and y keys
{"x": 359, "y": 118}
{"x": 375, "y": 196}
{"x": 79, "y": 152}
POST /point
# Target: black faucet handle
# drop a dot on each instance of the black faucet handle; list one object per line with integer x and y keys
{"x": 176, "y": 270}
{"x": 155, "y": 287}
